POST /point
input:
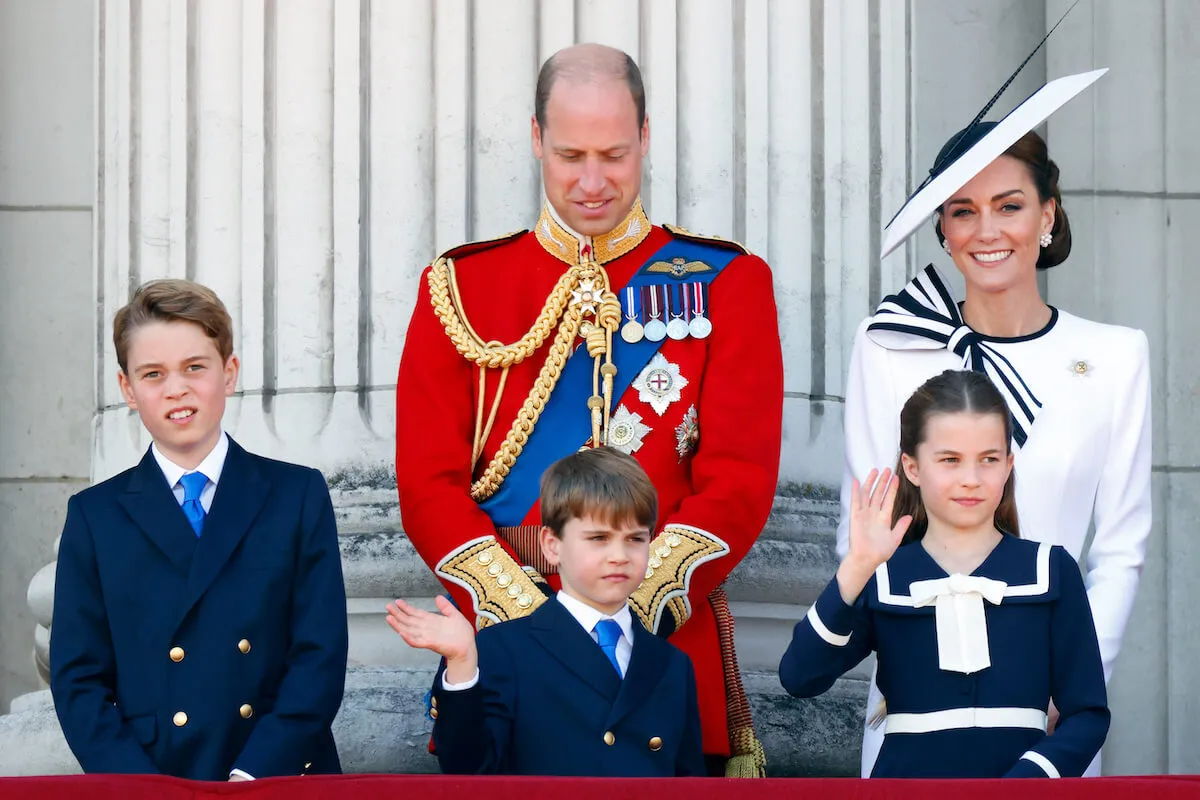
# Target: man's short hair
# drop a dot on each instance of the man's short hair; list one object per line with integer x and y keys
{"x": 623, "y": 67}
{"x": 602, "y": 483}
{"x": 173, "y": 300}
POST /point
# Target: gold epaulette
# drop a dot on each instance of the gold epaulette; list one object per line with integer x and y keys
{"x": 674, "y": 555}
{"x": 500, "y": 588}
{"x": 684, "y": 233}
{"x": 470, "y": 248}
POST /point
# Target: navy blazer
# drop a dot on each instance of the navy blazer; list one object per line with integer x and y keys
{"x": 548, "y": 702}
{"x": 194, "y": 656}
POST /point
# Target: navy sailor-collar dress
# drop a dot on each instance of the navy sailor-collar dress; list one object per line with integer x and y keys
{"x": 968, "y": 663}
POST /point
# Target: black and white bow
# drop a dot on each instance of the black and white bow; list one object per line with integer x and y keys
{"x": 924, "y": 316}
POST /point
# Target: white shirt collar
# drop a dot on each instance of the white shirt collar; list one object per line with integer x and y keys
{"x": 587, "y": 616}
{"x": 211, "y": 466}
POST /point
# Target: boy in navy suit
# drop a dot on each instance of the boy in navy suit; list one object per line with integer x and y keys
{"x": 199, "y": 610}
{"x": 578, "y": 687}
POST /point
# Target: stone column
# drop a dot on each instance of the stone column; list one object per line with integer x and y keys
{"x": 307, "y": 158}
{"x": 46, "y": 379}
{"x": 1131, "y": 181}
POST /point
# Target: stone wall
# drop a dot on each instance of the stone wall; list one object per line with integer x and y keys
{"x": 47, "y": 374}
{"x": 306, "y": 158}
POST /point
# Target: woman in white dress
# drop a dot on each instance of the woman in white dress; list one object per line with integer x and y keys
{"x": 1079, "y": 391}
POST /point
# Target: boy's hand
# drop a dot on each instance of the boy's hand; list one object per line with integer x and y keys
{"x": 873, "y": 538}
{"x": 448, "y": 633}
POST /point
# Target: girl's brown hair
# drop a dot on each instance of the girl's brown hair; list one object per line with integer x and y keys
{"x": 952, "y": 392}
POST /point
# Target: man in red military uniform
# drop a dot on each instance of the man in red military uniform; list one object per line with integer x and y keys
{"x": 596, "y": 327}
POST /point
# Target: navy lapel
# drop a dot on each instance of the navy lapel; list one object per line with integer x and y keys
{"x": 565, "y": 639}
{"x": 149, "y": 502}
{"x": 240, "y": 496}
{"x": 646, "y": 667}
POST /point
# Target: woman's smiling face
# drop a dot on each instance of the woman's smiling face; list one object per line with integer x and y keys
{"x": 993, "y": 226}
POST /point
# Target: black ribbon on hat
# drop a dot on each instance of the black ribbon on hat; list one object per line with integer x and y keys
{"x": 923, "y": 315}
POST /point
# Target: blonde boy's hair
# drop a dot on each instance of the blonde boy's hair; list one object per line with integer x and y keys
{"x": 173, "y": 300}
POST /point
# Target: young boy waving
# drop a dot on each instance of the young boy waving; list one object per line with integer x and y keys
{"x": 578, "y": 687}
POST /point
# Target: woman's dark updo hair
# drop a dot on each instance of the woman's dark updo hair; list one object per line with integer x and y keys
{"x": 1031, "y": 151}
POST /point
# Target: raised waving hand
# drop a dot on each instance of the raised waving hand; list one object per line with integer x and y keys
{"x": 447, "y": 633}
{"x": 873, "y": 537}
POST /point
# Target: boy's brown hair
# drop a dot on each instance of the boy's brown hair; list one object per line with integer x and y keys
{"x": 597, "y": 482}
{"x": 173, "y": 300}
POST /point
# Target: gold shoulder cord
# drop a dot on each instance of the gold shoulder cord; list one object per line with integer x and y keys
{"x": 582, "y": 290}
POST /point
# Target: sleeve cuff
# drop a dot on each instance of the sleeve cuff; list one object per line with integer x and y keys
{"x": 460, "y": 687}
{"x": 830, "y": 617}
{"x": 1033, "y": 764}
{"x": 241, "y": 774}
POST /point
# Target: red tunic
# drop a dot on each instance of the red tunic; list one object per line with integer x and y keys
{"x": 726, "y": 486}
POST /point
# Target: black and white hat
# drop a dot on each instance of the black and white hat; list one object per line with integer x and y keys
{"x": 979, "y": 144}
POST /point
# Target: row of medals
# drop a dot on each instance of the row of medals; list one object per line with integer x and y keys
{"x": 699, "y": 327}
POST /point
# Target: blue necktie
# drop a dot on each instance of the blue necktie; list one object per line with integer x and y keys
{"x": 608, "y": 633}
{"x": 193, "y": 484}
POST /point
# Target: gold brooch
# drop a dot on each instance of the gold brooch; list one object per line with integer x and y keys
{"x": 1081, "y": 368}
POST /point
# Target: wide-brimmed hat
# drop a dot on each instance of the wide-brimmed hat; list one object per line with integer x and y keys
{"x": 969, "y": 151}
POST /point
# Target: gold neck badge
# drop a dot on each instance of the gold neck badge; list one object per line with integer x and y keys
{"x": 571, "y": 248}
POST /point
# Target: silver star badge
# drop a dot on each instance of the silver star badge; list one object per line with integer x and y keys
{"x": 626, "y": 431}
{"x": 659, "y": 384}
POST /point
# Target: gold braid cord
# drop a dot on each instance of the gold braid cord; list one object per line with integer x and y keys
{"x": 582, "y": 290}
{"x": 747, "y": 758}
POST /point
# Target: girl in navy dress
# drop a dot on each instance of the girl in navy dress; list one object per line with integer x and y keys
{"x": 976, "y": 629}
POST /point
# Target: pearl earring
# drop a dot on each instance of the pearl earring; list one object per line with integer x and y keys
{"x": 1046, "y": 239}
{"x": 946, "y": 246}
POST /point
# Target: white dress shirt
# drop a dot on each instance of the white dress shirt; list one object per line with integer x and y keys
{"x": 586, "y": 616}
{"x": 210, "y": 467}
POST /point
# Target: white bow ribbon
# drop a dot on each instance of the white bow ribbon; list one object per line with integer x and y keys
{"x": 962, "y": 635}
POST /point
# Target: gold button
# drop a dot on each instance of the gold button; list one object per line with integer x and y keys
{"x": 524, "y": 601}
{"x": 176, "y": 654}
{"x": 485, "y": 557}
{"x": 662, "y": 551}
{"x": 244, "y": 646}
{"x": 495, "y": 569}
{"x": 503, "y": 579}
{"x": 673, "y": 540}
{"x": 655, "y": 743}
{"x": 609, "y": 738}
{"x": 514, "y": 590}
{"x": 180, "y": 719}
{"x": 433, "y": 701}
{"x": 247, "y": 711}
{"x": 433, "y": 712}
